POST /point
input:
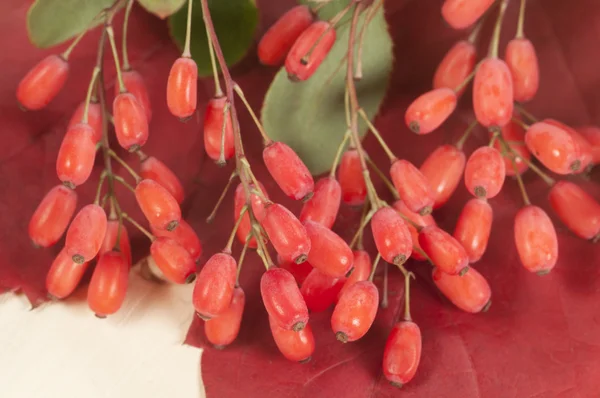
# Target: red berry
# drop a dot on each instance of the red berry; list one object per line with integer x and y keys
{"x": 469, "y": 292}
{"x": 485, "y": 172}
{"x": 213, "y": 130}
{"x": 153, "y": 169}
{"x": 214, "y": 286}
{"x": 328, "y": 252}
{"x": 579, "y": 211}
{"x": 131, "y": 123}
{"x": 134, "y": 84}
{"x": 584, "y": 149}
{"x": 323, "y": 207}
{"x": 258, "y": 208}
{"x": 64, "y": 275}
{"x": 158, "y": 205}
{"x": 320, "y": 290}
{"x": 173, "y": 260}
{"x": 309, "y": 50}
{"x": 522, "y": 61}
{"x": 444, "y": 251}
{"x": 352, "y": 182}
{"x": 457, "y": 65}
{"x": 76, "y": 155}
{"x": 514, "y": 132}
{"x": 412, "y": 186}
{"x": 52, "y": 216}
{"x": 391, "y": 235}
{"x": 286, "y": 233}
{"x": 288, "y": 171}
{"x": 461, "y": 14}
{"x": 536, "y": 240}
{"x": 430, "y": 110}
{"x": 223, "y": 330}
{"x": 281, "y": 36}
{"x": 43, "y": 82}
{"x": 299, "y": 271}
{"x": 592, "y": 136}
{"x": 110, "y": 240}
{"x": 283, "y": 300}
{"x": 108, "y": 286}
{"x": 554, "y": 147}
{"x": 473, "y": 228}
{"x": 493, "y": 93}
{"x": 418, "y": 219}
{"x": 295, "y": 346}
{"x": 362, "y": 270}
{"x": 443, "y": 168}
{"x": 94, "y": 118}
{"x": 185, "y": 236}
{"x": 182, "y": 88}
{"x": 402, "y": 353}
{"x": 355, "y": 311}
{"x": 86, "y": 233}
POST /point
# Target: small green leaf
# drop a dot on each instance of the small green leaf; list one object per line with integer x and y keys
{"x": 310, "y": 116}
{"x": 162, "y": 8}
{"x": 235, "y": 22}
{"x": 51, "y": 22}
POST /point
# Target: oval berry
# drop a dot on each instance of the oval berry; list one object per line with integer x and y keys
{"x": 182, "y": 87}
{"x": 592, "y": 136}
{"x": 76, "y": 155}
{"x": 213, "y": 130}
{"x": 134, "y": 84}
{"x": 286, "y": 233}
{"x": 485, "y": 172}
{"x": 43, "y": 82}
{"x": 457, "y": 65}
{"x": 445, "y": 252}
{"x": 391, "y": 235}
{"x": 430, "y": 110}
{"x": 328, "y": 252}
{"x": 86, "y": 233}
{"x": 554, "y": 147}
{"x": 108, "y": 286}
{"x": 64, "y": 275}
{"x": 443, "y": 168}
{"x": 94, "y": 118}
{"x": 352, "y": 181}
{"x": 153, "y": 169}
{"x": 131, "y": 123}
{"x": 461, "y": 14}
{"x": 536, "y": 240}
{"x": 295, "y": 346}
{"x": 288, "y": 171}
{"x": 355, "y": 311}
{"x": 402, "y": 353}
{"x": 493, "y": 93}
{"x": 522, "y": 61}
{"x": 52, "y": 216}
{"x": 110, "y": 240}
{"x": 412, "y": 186}
{"x": 283, "y": 300}
{"x": 310, "y": 50}
{"x": 515, "y": 133}
{"x": 584, "y": 149}
{"x": 473, "y": 228}
{"x": 323, "y": 207}
{"x": 579, "y": 211}
{"x": 299, "y": 271}
{"x": 173, "y": 260}
{"x": 320, "y": 290}
{"x": 224, "y": 329}
{"x": 469, "y": 292}
{"x": 281, "y": 36}
{"x": 362, "y": 270}
{"x": 258, "y": 208}
{"x": 418, "y": 219}
{"x": 185, "y": 236}
{"x": 214, "y": 287}
{"x": 158, "y": 205}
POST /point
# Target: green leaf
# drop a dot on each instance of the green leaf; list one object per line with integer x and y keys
{"x": 162, "y": 8}
{"x": 51, "y": 22}
{"x": 235, "y": 22}
{"x": 310, "y": 116}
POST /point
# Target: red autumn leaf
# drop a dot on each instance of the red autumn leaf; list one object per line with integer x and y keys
{"x": 541, "y": 335}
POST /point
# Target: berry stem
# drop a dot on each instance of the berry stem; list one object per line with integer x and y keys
{"x": 520, "y": 34}
{"x": 123, "y": 163}
{"x": 124, "y": 183}
{"x": 88, "y": 96}
{"x": 221, "y": 161}
{"x": 138, "y": 226}
{"x": 117, "y": 245}
{"x": 411, "y": 222}
{"x": 467, "y": 80}
{"x": 241, "y": 260}
{"x": 384, "y": 178}
{"x": 213, "y": 213}
{"x": 67, "y": 53}
{"x": 259, "y": 125}
{"x": 359, "y": 244}
{"x": 526, "y": 113}
{"x": 519, "y": 178}
{"x": 407, "y": 277}
{"x": 384, "y": 299}
{"x": 422, "y": 253}
{"x": 227, "y": 248}
{"x": 363, "y": 224}
{"x": 358, "y": 73}
{"x": 463, "y": 138}
{"x": 495, "y": 136}
{"x": 100, "y": 185}
{"x": 495, "y": 42}
{"x": 213, "y": 64}
{"x": 477, "y": 30}
{"x": 113, "y": 46}
{"x": 126, "y": 65}
{"x": 338, "y": 153}
{"x": 520, "y": 123}
{"x": 377, "y": 135}
{"x": 547, "y": 179}
{"x": 375, "y": 263}
{"x": 188, "y": 32}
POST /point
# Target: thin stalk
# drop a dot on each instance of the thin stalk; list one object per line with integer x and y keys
{"x": 213, "y": 64}
{"x": 495, "y": 42}
{"x": 467, "y": 80}
{"x": 377, "y": 135}
{"x": 338, "y": 154}
{"x": 124, "y": 183}
{"x": 375, "y": 263}
{"x": 100, "y": 185}
{"x": 88, "y": 96}
{"x": 547, "y": 179}
{"x": 227, "y": 248}
{"x": 123, "y": 163}
{"x": 384, "y": 300}
{"x": 520, "y": 123}
{"x": 259, "y": 125}
{"x": 213, "y": 213}
{"x": 241, "y": 260}
{"x": 358, "y": 74}
{"x": 221, "y": 161}
{"x": 519, "y": 179}
{"x": 384, "y": 178}
{"x": 138, "y": 226}
{"x": 520, "y": 34}
{"x": 113, "y": 46}
{"x": 188, "y": 32}
{"x": 126, "y": 65}
{"x": 407, "y": 296}
{"x": 476, "y": 31}
{"x": 461, "y": 141}
{"x": 362, "y": 225}
{"x": 526, "y": 113}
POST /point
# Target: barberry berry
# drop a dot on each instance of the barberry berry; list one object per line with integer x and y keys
{"x": 282, "y": 299}
{"x": 182, "y": 87}
{"x": 214, "y": 287}
{"x": 51, "y": 218}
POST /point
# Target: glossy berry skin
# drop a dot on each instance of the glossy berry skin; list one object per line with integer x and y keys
{"x": 320, "y": 290}
{"x": 173, "y": 260}
{"x": 473, "y": 228}
{"x": 153, "y": 169}
{"x": 493, "y": 93}
{"x": 328, "y": 252}
{"x": 355, "y": 311}
{"x": 323, "y": 207}
{"x": 52, "y": 216}
{"x": 185, "y": 236}
{"x": 213, "y": 129}
{"x": 258, "y": 207}
{"x": 391, "y": 235}
{"x": 223, "y": 330}
{"x": 352, "y": 182}
{"x": 94, "y": 118}
{"x": 182, "y": 88}
{"x": 536, "y": 240}
{"x": 553, "y": 147}
{"x": 283, "y": 300}
{"x": 402, "y": 353}
{"x": 158, "y": 205}
{"x": 514, "y": 132}
{"x": 64, "y": 275}
{"x": 134, "y": 83}
{"x": 584, "y": 148}
{"x": 444, "y": 251}
{"x": 110, "y": 240}
{"x": 309, "y": 50}
{"x": 42, "y": 83}
{"x": 76, "y": 155}
{"x": 443, "y": 168}
{"x": 362, "y": 270}
{"x": 295, "y": 346}
{"x": 457, "y": 65}
{"x": 86, "y": 233}
{"x": 214, "y": 287}
{"x": 131, "y": 123}
{"x": 281, "y": 36}
{"x": 288, "y": 171}
{"x": 418, "y": 219}
{"x": 592, "y": 136}
{"x": 430, "y": 110}
{"x": 299, "y": 271}
{"x": 485, "y": 172}
{"x": 578, "y": 210}
{"x": 108, "y": 286}
{"x": 522, "y": 61}
{"x": 412, "y": 186}
{"x": 461, "y": 14}
{"x": 469, "y": 292}
{"x": 286, "y": 233}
